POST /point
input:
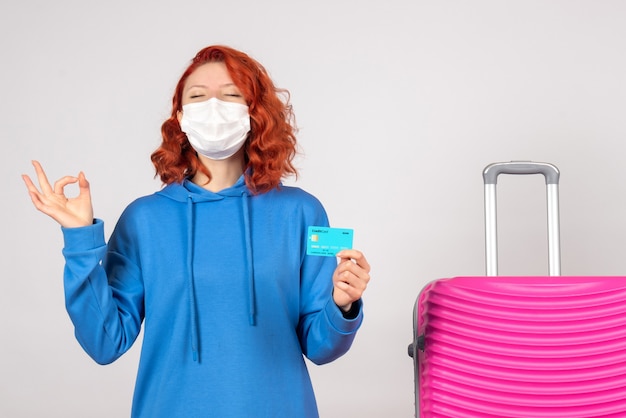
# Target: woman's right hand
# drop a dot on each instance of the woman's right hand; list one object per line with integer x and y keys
{"x": 68, "y": 212}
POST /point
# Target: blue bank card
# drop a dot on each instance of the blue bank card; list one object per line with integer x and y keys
{"x": 327, "y": 241}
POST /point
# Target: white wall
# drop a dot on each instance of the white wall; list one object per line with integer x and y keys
{"x": 401, "y": 105}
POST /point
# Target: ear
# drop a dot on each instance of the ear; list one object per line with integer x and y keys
{"x": 179, "y": 116}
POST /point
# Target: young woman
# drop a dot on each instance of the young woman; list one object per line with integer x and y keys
{"x": 214, "y": 264}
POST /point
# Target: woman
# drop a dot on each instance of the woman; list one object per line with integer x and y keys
{"x": 215, "y": 263}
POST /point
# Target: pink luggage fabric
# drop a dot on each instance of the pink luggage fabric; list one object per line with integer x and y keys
{"x": 523, "y": 347}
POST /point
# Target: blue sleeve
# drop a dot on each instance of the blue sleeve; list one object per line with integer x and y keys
{"x": 325, "y": 334}
{"x": 103, "y": 293}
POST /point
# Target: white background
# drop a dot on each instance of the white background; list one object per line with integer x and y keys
{"x": 401, "y": 104}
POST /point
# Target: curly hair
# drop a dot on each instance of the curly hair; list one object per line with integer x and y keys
{"x": 271, "y": 145}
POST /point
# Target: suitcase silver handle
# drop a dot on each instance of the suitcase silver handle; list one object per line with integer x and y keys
{"x": 490, "y": 176}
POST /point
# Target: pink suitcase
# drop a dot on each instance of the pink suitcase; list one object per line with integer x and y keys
{"x": 529, "y": 347}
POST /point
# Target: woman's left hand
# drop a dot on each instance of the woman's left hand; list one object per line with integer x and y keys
{"x": 350, "y": 278}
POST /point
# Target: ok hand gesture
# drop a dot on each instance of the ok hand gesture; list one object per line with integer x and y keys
{"x": 68, "y": 212}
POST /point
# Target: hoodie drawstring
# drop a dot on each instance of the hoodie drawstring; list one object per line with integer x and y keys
{"x": 250, "y": 264}
{"x": 193, "y": 310}
{"x": 192, "y": 292}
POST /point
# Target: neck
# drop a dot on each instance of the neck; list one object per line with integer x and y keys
{"x": 224, "y": 173}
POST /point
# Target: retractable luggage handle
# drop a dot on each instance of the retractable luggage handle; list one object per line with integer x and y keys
{"x": 490, "y": 176}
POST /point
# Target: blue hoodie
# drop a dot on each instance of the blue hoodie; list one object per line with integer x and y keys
{"x": 229, "y": 300}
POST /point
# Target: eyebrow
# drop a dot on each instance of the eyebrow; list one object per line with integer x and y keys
{"x": 203, "y": 86}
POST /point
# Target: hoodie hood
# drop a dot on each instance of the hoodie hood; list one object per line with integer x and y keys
{"x": 191, "y": 194}
{"x": 181, "y": 192}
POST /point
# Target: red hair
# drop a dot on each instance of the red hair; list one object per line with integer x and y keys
{"x": 271, "y": 144}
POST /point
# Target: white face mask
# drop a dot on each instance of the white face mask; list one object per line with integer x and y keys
{"x": 216, "y": 129}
